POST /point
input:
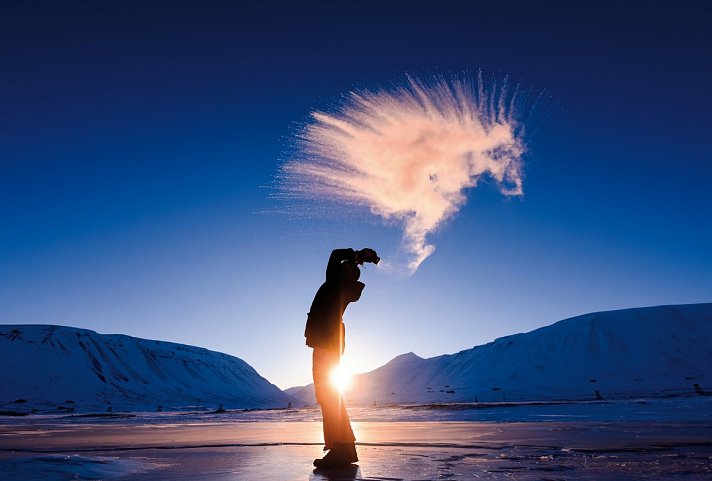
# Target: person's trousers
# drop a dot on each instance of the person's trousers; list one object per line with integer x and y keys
{"x": 337, "y": 427}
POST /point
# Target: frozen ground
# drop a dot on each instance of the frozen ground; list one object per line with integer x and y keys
{"x": 652, "y": 440}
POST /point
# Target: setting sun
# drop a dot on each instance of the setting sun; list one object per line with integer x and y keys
{"x": 341, "y": 378}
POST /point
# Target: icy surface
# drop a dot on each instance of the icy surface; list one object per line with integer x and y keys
{"x": 643, "y": 352}
{"x": 54, "y": 368}
{"x": 396, "y": 463}
{"x": 140, "y": 449}
{"x": 56, "y": 467}
{"x": 676, "y": 409}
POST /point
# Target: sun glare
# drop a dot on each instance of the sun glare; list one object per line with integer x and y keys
{"x": 340, "y": 379}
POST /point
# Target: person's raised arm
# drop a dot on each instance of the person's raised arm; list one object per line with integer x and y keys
{"x": 335, "y": 259}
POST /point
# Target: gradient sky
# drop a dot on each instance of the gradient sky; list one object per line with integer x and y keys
{"x": 138, "y": 144}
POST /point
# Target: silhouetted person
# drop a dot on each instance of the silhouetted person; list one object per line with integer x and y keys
{"x": 325, "y": 333}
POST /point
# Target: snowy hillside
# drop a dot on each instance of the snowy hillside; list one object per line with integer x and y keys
{"x": 653, "y": 351}
{"x": 50, "y": 368}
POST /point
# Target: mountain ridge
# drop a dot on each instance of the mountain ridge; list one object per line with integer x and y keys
{"x": 645, "y": 351}
{"x": 54, "y": 368}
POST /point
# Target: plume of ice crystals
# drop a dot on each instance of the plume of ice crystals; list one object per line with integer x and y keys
{"x": 411, "y": 153}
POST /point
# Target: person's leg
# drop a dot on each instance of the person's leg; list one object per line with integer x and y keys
{"x": 323, "y": 362}
{"x": 330, "y": 418}
{"x": 344, "y": 440}
{"x": 341, "y": 440}
{"x": 345, "y": 432}
{"x": 338, "y": 434}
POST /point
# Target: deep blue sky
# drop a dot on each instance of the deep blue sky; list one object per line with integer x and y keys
{"x": 138, "y": 142}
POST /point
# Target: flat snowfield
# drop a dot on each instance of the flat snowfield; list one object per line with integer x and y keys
{"x": 281, "y": 446}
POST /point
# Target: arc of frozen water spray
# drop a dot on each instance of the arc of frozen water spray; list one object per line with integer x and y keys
{"x": 410, "y": 154}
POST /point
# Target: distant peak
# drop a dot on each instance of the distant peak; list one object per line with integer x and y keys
{"x": 407, "y": 357}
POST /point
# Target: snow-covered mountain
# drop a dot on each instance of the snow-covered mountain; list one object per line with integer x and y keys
{"x": 51, "y": 368}
{"x": 653, "y": 351}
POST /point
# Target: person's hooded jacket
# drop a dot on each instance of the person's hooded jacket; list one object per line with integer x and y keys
{"x": 325, "y": 327}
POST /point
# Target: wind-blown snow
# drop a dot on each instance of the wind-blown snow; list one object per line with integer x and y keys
{"x": 409, "y": 154}
{"x": 654, "y": 351}
{"x": 77, "y": 370}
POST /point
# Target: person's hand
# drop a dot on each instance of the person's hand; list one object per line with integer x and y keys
{"x": 367, "y": 255}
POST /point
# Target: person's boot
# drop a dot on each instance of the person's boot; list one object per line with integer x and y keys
{"x": 341, "y": 455}
{"x": 328, "y": 461}
{"x": 348, "y": 452}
